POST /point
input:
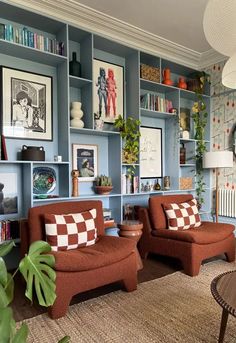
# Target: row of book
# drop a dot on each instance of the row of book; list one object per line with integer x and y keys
{"x": 9, "y": 229}
{"x": 154, "y": 102}
{"x": 31, "y": 39}
{"x": 130, "y": 184}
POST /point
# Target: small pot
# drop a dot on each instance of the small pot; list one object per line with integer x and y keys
{"x": 32, "y": 153}
{"x": 103, "y": 189}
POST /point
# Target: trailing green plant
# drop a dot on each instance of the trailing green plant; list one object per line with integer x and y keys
{"x": 37, "y": 270}
{"x": 129, "y": 130}
{"x": 200, "y": 115}
{"x": 103, "y": 180}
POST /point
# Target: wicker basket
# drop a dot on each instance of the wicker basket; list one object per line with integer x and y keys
{"x": 150, "y": 73}
{"x": 185, "y": 182}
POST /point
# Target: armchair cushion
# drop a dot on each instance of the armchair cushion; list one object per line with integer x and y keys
{"x": 106, "y": 251}
{"x": 182, "y": 216}
{"x": 70, "y": 231}
{"x": 207, "y": 233}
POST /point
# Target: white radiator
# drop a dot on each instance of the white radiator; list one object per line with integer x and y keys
{"x": 227, "y": 203}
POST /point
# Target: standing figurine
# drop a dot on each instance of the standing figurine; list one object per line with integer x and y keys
{"x": 75, "y": 182}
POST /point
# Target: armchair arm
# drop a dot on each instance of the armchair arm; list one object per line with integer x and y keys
{"x": 143, "y": 216}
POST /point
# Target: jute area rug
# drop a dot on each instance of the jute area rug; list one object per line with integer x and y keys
{"x": 175, "y": 308}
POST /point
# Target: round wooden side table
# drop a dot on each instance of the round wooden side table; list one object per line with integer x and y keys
{"x": 223, "y": 290}
{"x": 132, "y": 229}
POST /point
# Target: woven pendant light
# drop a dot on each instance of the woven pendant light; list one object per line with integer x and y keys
{"x": 229, "y": 73}
{"x": 219, "y": 24}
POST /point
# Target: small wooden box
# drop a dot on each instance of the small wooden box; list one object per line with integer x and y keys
{"x": 150, "y": 73}
{"x": 185, "y": 182}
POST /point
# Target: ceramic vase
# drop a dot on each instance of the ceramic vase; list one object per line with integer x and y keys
{"x": 76, "y": 114}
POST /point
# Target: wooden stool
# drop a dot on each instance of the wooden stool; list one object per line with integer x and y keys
{"x": 132, "y": 229}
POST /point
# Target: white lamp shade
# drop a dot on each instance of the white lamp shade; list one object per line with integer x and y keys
{"x": 229, "y": 73}
{"x": 218, "y": 159}
{"x": 219, "y": 25}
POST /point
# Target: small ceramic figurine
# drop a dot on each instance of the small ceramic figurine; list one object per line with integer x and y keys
{"x": 75, "y": 182}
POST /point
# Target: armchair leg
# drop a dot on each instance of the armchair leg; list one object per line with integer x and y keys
{"x": 191, "y": 269}
{"x": 230, "y": 255}
{"x": 59, "y": 308}
{"x": 143, "y": 252}
{"x": 130, "y": 284}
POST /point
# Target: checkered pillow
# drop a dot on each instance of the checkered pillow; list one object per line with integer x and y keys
{"x": 182, "y": 216}
{"x": 70, "y": 231}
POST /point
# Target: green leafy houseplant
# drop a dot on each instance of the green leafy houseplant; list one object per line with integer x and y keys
{"x": 37, "y": 270}
{"x": 103, "y": 184}
{"x": 129, "y": 130}
{"x": 199, "y": 115}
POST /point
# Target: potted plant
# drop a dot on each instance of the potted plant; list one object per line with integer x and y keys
{"x": 129, "y": 130}
{"x": 37, "y": 270}
{"x": 98, "y": 122}
{"x": 199, "y": 115}
{"x": 103, "y": 184}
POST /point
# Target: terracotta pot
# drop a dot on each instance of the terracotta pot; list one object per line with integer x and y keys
{"x": 103, "y": 189}
{"x": 166, "y": 77}
{"x": 182, "y": 84}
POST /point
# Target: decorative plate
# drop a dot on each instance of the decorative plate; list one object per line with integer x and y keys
{"x": 44, "y": 180}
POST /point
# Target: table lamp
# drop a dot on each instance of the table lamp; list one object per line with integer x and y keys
{"x": 216, "y": 160}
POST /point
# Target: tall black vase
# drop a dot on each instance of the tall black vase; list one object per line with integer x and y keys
{"x": 75, "y": 66}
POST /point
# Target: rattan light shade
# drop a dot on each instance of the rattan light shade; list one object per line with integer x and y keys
{"x": 219, "y": 24}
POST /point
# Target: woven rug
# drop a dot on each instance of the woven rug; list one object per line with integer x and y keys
{"x": 175, "y": 308}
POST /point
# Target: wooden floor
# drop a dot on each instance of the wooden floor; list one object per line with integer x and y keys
{"x": 154, "y": 267}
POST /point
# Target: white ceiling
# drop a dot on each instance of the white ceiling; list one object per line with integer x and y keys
{"x": 179, "y": 21}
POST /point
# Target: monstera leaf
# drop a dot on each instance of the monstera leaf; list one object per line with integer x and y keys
{"x": 8, "y": 331}
{"x": 6, "y": 247}
{"x": 6, "y": 280}
{"x": 36, "y": 267}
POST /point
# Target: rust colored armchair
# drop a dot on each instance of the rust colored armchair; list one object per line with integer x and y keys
{"x": 109, "y": 260}
{"x": 191, "y": 246}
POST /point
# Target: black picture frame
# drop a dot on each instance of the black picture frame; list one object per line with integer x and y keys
{"x": 26, "y": 105}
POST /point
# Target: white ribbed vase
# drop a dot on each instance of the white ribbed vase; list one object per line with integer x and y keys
{"x": 76, "y": 114}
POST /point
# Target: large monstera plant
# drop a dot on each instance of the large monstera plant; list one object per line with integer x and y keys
{"x": 37, "y": 270}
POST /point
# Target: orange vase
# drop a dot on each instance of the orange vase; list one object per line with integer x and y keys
{"x": 167, "y": 77}
{"x": 182, "y": 84}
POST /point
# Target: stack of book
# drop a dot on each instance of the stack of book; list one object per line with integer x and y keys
{"x": 9, "y": 229}
{"x": 154, "y": 102}
{"x": 31, "y": 39}
{"x": 108, "y": 220}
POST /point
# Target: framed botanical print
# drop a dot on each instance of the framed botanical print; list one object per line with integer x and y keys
{"x": 85, "y": 160}
{"x": 108, "y": 90}
{"x": 26, "y": 104}
{"x": 150, "y": 152}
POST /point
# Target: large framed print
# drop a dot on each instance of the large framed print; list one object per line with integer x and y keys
{"x": 150, "y": 152}
{"x": 26, "y": 104}
{"x": 108, "y": 90}
{"x": 85, "y": 160}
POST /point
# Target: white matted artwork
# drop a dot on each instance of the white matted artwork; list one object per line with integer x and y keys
{"x": 8, "y": 193}
{"x": 85, "y": 160}
{"x": 150, "y": 152}
{"x": 26, "y": 104}
{"x": 108, "y": 90}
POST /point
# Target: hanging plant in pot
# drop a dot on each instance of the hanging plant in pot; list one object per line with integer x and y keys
{"x": 129, "y": 130}
{"x": 199, "y": 115}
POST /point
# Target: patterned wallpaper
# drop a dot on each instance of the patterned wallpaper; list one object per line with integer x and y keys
{"x": 223, "y": 119}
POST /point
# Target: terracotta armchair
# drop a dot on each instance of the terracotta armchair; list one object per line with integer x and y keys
{"x": 191, "y": 246}
{"x": 109, "y": 260}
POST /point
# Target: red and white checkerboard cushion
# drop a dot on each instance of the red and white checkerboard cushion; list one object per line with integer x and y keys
{"x": 182, "y": 216}
{"x": 70, "y": 231}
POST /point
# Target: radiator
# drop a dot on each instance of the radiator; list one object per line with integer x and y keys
{"x": 227, "y": 203}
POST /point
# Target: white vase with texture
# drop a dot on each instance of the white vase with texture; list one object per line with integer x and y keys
{"x": 76, "y": 114}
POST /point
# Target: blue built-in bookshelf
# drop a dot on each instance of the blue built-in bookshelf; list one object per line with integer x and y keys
{"x": 38, "y": 44}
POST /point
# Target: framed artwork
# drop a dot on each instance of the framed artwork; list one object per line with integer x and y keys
{"x": 26, "y": 104}
{"x": 85, "y": 160}
{"x": 150, "y": 152}
{"x": 8, "y": 193}
{"x": 108, "y": 90}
